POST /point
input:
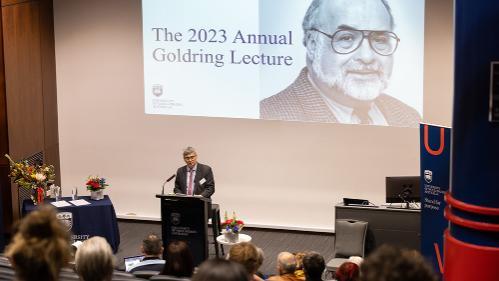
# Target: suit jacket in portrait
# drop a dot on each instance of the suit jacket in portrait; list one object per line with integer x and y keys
{"x": 206, "y": 189}
{"x": 300, "y": 101}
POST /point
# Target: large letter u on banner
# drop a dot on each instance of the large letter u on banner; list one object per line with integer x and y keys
{"x": 427, "y": 145}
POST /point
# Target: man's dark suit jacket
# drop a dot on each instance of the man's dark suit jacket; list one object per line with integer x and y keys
{"x": 300, "y": 101}
{"x": 202, "y": 172}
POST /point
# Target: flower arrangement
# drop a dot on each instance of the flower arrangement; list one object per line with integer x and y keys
{"x": 36, "y": 178}
{"x": 95, "y": 183}
{"x": 233, "y": 224}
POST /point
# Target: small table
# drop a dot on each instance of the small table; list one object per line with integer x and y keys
{"x": 242, "y": 238}
{"x": 96, "y": 219}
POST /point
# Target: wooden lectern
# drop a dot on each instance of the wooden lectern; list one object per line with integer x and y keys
{"x": 185, "y": 218}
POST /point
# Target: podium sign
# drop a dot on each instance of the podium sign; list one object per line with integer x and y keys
{"x": 185, "y": 218}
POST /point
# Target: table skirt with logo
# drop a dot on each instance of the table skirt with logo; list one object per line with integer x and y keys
{"x": 96, "y": 219}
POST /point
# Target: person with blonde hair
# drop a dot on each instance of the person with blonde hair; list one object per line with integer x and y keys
{"x": 299, "y": 273}
{"x": 94, "y": 260}
{"x": 40, "y": 247}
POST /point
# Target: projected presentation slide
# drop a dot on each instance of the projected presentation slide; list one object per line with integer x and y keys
{"x": 339, "y": 61}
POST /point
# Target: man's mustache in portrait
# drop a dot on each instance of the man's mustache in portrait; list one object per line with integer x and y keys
{"x": 356, "y": 79}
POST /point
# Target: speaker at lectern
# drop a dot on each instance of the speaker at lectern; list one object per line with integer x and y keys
{"x": 185, "y": 218}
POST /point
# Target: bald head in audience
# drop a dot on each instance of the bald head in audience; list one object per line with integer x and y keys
{"x": 286, "y": 263}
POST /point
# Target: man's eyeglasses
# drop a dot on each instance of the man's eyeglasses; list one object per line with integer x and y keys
{"x": 346, "y": 41}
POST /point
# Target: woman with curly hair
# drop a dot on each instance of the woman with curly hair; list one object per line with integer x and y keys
{"x": 40, "y": 247}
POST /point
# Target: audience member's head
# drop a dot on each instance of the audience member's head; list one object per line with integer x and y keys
{"x": 286, "y": 263}
{"x": 246, "y": 254}
{"x": 299, "y": 260}
{"x": 152, "y": 246}
{"x": 220, "y": 270}
{"x": 179, "y": 261}
{"x": 356, "y": 259}
{"x": 40, "y": 247}
{"x": 261, "y": 256}
{"x": 389, "y": 263}
{"x": 348, "y": 271}
{"x": 94, "y": 260}
{"x": 313, "y": 265}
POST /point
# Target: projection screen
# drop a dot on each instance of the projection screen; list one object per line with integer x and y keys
{"x": 247, "y": 59}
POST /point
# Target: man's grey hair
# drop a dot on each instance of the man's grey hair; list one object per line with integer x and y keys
{"x": 189, "y": 150}
{"x": 311, "y": 19}
{"x": 287, "y": 262}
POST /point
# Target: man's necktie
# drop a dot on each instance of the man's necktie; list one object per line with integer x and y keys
{"x": 189, "y": 184}
{"x": 363, "y": 115}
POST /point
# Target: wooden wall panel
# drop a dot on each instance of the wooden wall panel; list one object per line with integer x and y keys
{"x": 5, "y": 188}
{"x": 13, "y": 2}
{"x": 23, "y": 78}
{"x": 4, "y": 136}
{"x": 23, "y": 82}
{"x": 49, "y": 86}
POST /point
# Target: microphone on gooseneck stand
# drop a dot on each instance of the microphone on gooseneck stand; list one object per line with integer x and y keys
{"x": 163, "y": 186}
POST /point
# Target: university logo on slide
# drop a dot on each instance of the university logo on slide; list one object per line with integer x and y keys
{"x": 428, "y": 176}
{"x": 66, "y": 218}
{"x": 175, "y": 218}
{"x": 157, "y": 90}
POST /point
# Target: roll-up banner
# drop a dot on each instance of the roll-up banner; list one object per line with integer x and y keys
{"x": 435, "y": 176}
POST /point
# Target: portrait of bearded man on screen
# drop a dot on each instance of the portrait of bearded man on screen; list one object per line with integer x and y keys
{"x": 349, "y": 60}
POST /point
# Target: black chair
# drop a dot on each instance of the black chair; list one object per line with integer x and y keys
{"x": 6, "y": 274}
{"x": 145, "y": 274}
{"x": 68, "y": 274}
{"x": 168, "y": 278}
{"x": 350, "y": 240}
{"x": 216, "y": 228}
{"x": 122, "y": 276}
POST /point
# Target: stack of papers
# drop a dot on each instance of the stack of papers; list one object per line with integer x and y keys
{"x": 64, "y": 203}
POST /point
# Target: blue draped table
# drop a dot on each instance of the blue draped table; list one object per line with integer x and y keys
{"x": 96, "y": 219}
